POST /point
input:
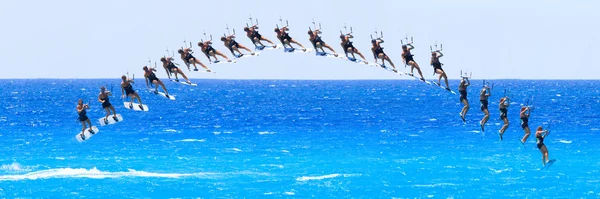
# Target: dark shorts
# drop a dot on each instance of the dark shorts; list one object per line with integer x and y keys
{"x": 539, "y": 146}
{"x": 503, "y": 114}
{"x": 484, "y": 105}
{"x": 463, "y": 95}
{"x": 129, "y": 92}
{"x": 83, "y": 118}
{"x": 106, "y": 104}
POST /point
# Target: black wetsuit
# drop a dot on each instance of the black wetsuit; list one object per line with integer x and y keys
{"x": 83, "y": 116}
{"x": 171, "y": 66}
{"x": 152, "y": 77}
{"x": 106, "y": 102}
{"x": 484, "y": 104}
{"x": 377, "y": 51}
{"x": 347, "y": 45}
{"x": 463, "y": 95}
{"x": 209, "y": 49}
{"x": 233, "y": 43}
{"x": 129, "y": 90}
{"x": 436, "y": 65}
{"x": 189, "y": 57}
{"x": 503, "y": 113}
{"x": 524, "y": 122}
{"x": 540, "y": 141}
{"x": 408, "y": 57}
{"x": 257, "y": 35}
{"x": 286, "y": 36}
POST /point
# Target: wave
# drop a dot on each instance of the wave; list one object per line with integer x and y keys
{"x": 335, "y": 175}
{"x": 15, "y": 167}
{"x": 191, "y": 140}
{"x": 97, "y": 174}
{"x": 266, "y": 133}
{"x": 565, "y": 141}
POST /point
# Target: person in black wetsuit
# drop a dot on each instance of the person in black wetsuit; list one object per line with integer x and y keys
{"x": 483, "y": 98}
{"x": 318, "y": 43}
{"x": 525, "y": 111}
{"x": 83, "y": 118}
{"x": 103, "y": 98}
{"x": 188, "y": 58}
{"x": 209, "y": 51}
{"x": 378, "y": 53}
{"x": 256, "y": 37}
{"x": 127, "y": 90}
{"x": 285, "y": 38}
{"x": 152, "y": 79}
{"x": 503, "y": 106}
{"x": 540, "y": 135}
{"x": 462, "y": 89}
{"x": 437, "y": 67}
{"x": 408, "y": 59}
{"x": 349, "y": 47}
{"x": 233, "y": 45}
{"x": 170, "y": 68}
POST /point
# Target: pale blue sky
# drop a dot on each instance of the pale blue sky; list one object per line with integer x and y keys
{"x": 492, "y": 39}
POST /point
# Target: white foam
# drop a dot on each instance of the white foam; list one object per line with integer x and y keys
{"x": 595, "y": 129}
{"x": 335, "y": 175}
{"x": 432, "y": 119}
{"x": 235, "y": 149}
{"x": 289, "y": 193}
{"x": 216, "y": 133}
{"x": 191, "y": 140}
{"x": 565, "y": 141}
{"x": 14, "y": 167}
{"x": 96, "y": 174}
{"x": 266, "y": 133}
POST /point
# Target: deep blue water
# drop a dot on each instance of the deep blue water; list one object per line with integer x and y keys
{"x": 299, "y": 139}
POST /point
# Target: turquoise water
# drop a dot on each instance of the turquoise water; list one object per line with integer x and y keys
{"x": 297, "y": 139}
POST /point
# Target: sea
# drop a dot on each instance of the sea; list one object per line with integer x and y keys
{"x": 298, "y": 139}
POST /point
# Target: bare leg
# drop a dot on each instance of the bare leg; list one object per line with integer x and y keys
{"x": 329, "y": 47}
{"x": 90, "y": 123}
{"x": 360, "y": 54}
{"x": 244, "y": 47}
{"x": 163, "y": 86}
{"x": 505, "y": 126}
{"x": 107, "y": 113}
{"x": 465, "y": 109}
{"x": 265, "y": 39}
{"x": 84, "y": 127}
{"x": 297, "y": 43}
{"x": 222, "y": 55}
{"x": 446, "y": 79}
{"x": 184, "y": 77}
{"x": 257, "y": 41}
{"x": 484, "y": 119}
{"x": 527, "y": 133}
{"x": 389, "y": 60}
{"x": 201, "y": 64}
{"x": 113, "y": 110}
{"x": 414, "y": 65}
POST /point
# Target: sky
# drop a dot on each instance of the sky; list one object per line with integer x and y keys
{"x": 508, "y": 39}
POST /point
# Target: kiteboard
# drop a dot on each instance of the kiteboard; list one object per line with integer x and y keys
{"x": 185, "y": 83}
{"x": 135, "y": 106}
{"x": 549, "y": 163}
{"x": 297, "y": 50}
{"x": 233, "y": 61}
{"x": 324, "y": 54}
{"x": 247, "y": 55}
{"x": 171, "y": 97}
{"x": 86, "y": 134}
{"x": 110, "y": 120}
{"x": 358, "y": 61}
{"x": 267, "y": 47}
{"x": 438, "y": 85}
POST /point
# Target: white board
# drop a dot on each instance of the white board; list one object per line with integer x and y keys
{"x": 86, "y": 134}
{"x": 438, "y": 85}
{"x": 320, "y": 54}
{"x": 268, "y": 47}
{"x": 134, "y": 106}
{"x": 110, "y": 120}
{"x": 233, "y": 61}
{"x": 171, "y": 97}
{"x": 358, "y": 61}
{"x": 253, "y": 54}
{"x": 185, "y": 83}
{"x": 297, "y": 50}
